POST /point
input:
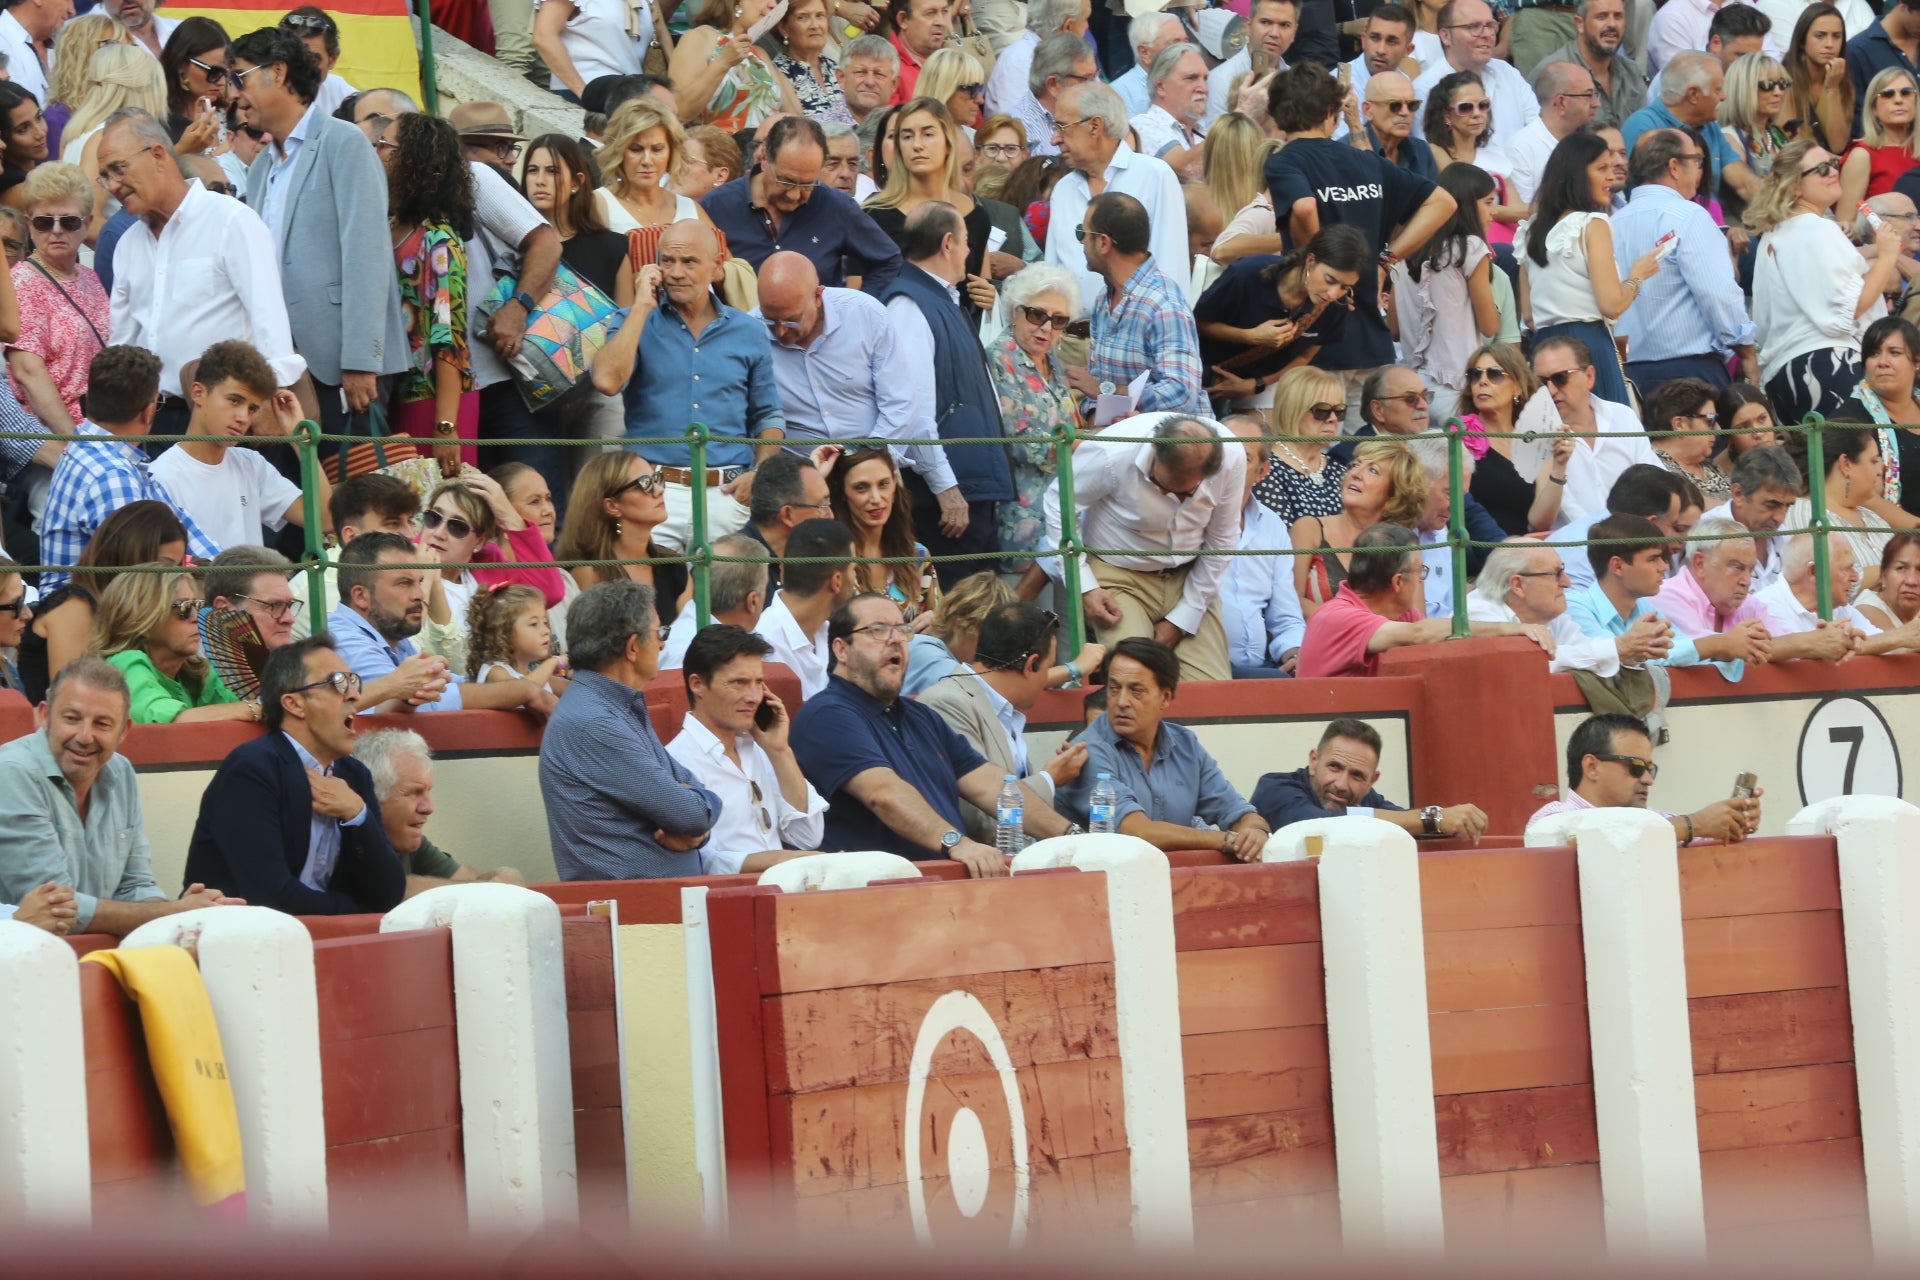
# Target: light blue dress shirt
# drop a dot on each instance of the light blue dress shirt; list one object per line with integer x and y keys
{"x": 1693, "y": 305}
{"x": 1258, "y": 602}
{"x": 1597, "y": 617}
{"x": 369, "y": 656}
{"x": 723, "y": 377}
{"x": 273, "y": 209}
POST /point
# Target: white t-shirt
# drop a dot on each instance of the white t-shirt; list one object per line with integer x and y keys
{"x": 231, "y": 500}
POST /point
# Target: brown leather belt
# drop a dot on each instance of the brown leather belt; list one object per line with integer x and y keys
{"x": 716, "y": 476}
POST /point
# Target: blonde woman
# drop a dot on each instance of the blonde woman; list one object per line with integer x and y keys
{"x": 948, "y": 642}
{"x": 1750, "y": 117}
{"x": 643, "y": 145}
{"x": 1303, "y": 481}
{"x": 120, "y": 76}
{"x": 1233, "y": 166}
{"x": 148, "y": 625}
{"x": 69, "y": 82}
{"x": 65, "y": 314}
{"x": 1385, "y": 485}
{"x": 927, "y": 167}
{"x": 618, "y": 501}
{"x": 1889, "y": 145}
{"x": 723, "y": 79}
{"x": 955, "y": 79}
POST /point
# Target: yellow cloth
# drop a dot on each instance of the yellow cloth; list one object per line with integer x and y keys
{"x": 183, "y": 1043}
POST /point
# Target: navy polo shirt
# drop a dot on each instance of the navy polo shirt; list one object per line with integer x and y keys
{"x": 1868, "y": 54}
{"x": 1282, "y": 798}
{"x": 842, "y": 731}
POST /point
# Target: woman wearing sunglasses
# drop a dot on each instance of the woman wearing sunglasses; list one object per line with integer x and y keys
{"x": 194, "y": 66}
{"x": 1750, "y": 117}
{"x": 1687, "y": 404}
{"x": 64, "y": 310}
{"x": 618, "y": 501}
{"x": 469, "y": 521}
{"x": 955, "y": 79}
{"x": 1812, "y": 293}
{"x": 1459, "y": 127}
{"x": 1889, "y": 145}
{"x": 148, "y": 625}
{"x": 1304, "y": 481}
{"x": 1821, "y": 96}
{"x": 1500, "y": 388}
{"x": 1035, "y": 401}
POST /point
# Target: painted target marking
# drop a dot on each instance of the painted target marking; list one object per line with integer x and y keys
{"x": 1847, "y": 749}
{"x": 970, "y": 1139}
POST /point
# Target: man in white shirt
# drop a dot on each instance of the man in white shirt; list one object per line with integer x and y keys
{"x": 1567, "y": 98}
{"x": 1791, "y": 604}
{"x": 1007, "y": 85}
{"x": 1523, "y": 581}
{"x": 1061, "y": 62}
{"x": 26, "y": 37}
{"x": 736, "y": 595}
{"x": 1177, "y": 493}
{"x": 1271, "y": 27}
{"x": 795, "y": 623}
{"x": 734, "y": 742}
{"x": 1147, "y": 35}
{"x": 196, "y": 269}
{"x": 1093, "y": 141}
{"x": 1765, "y": 484}
{"x": 1599, "y": 456}
{"x": 1681, "y": 26}
{"x": 1258, "y": 603}
{"x": 1467, "y": 36}
{"x": 1173, "y": 128}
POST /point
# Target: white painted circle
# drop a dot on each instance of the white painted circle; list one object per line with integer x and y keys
{"x": 962, "y": 1011}
{"x": 1846, "y": 749}
{"x": 968, "y": 1163}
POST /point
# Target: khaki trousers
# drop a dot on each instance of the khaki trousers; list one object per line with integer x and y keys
{"x": 1146, "y": 598}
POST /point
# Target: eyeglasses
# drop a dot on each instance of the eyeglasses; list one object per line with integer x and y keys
{"x": 812, "y": 506}
{"x": 275, "y": 609}
{"x": 1559, "y": 571}
{"x": 1471, "y": 108}
{"x": 254, "y": 131}
{"x": 1487, "y": 373}
{"x": 1040, "y": 318}
{"x": 385, "y": 144}
{"x": 13, "y": 607}
{"x": 1474, "y": 28}
{"x": 885, "y": 630}
{"x": 1412, "y": 399}
{"x": 307, "y": 22}
{"x": 1591, "y": 93}
{"x": 64, "y": 221}
{"x": 1395, "y": 106}
{"x": 1825, "y": 169}
{"x": 1080, "y": 233}
{"x": 1772, "y": 86}
{"x": 1061, "y": 126}
{"x": 648, "y": 483}
{"x": 1558, "y": 381}
{"x": 791, "y": 185}
{"x": 214, "y": 74}
{"x": 1003, "y": 150}
{"x": 1711, "y": 419}
{"x": 505, "y": 148}
{"x": 344, "y": 683}
{"x": 456, "y": 527}
{"x": 1327, "y": 412}
{"x": 112, "y": 175}
{"x": 1895, "y": 91}
{"x": 1694, "y": 157}
{"x": 1639, "y": 766}
{"x": 188, "y": 608}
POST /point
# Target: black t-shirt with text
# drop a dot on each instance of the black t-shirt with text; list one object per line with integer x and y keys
{"x": 1246, "y": 297}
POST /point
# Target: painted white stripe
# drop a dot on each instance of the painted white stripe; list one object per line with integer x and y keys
{"x": 1147, "y": 1008}
{"x": 838, "y": 871}
{"x": 1642, "y": 1043}
{"x": 516, "y": 1082}
{"x": 703, "y": 1038}
{"x": 258, "y": 968}
{"x": 46, "y": 1173}
{"x": 1880, "y": 904}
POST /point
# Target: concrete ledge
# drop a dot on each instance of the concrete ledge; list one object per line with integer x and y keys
{"x": 464, "y": 74}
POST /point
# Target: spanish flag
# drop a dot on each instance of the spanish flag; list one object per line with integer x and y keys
{"x": 376, "y": 36}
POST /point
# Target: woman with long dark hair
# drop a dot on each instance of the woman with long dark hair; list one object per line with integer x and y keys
{"x": 23, "y": 141}
{"x": 1265, "y": 315}
{"x": 194, "y": 66}
{"x": 1458, "y": 125}
{"x": 430, "y": 214}
{"x": 1443, "y": 300}
{"x": 1821, "y": 94}
{"x": 1570, "y": 282}
{"x": 560, "y": 179}
{"x": 864, "y": 487}
{"x": 925, "y": 166}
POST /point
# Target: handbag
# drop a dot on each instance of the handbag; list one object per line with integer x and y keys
{"x": 564, "y": 333}
{"x": 55, "y": 282}
{"x": 383, "y": 453}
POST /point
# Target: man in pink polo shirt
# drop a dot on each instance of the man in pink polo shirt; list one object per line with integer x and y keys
{"x": 1381, "y": 606}
{"x": 1709, "y": 602}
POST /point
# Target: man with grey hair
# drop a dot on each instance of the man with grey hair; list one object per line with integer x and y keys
{"x": 1147, "y": 35}
{"x": 1600, "y": 26}
{"x": 618, "y": 806}
{"x": 375, "y": 109}
{"x": 1092, "y": 138}
{"x": 1895, "y": 206}
{"x": 1711, "y": 601}
{"x": 1524, "y": 582}
{"x": 842, "y": 169}
{"x": 1176, "y": 494}
{"x": 402, "y": 767}
{"x": 1566, "y": 96}
{"x": 1691, "y": 88}
{"x": 869, "y": 68}
{"x": 1008, "y": 86}
{"x": 737, "y": 594}
{"x": 1174, "y": 128}
{"x": 1765, "y": 483}
{"x": 1060, "y": 62}
{"x": 1791, "y": 606}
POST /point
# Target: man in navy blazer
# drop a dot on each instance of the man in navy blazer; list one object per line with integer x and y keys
{"x": 292, "y": 815}
{"x": 322, "y": 192}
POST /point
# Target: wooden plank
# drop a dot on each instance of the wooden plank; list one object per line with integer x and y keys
{"x": 865, "y": 1035}
{"x": 389, "y": 1085}
{"x": 1247, "y": 988}
{"x": 1734, "y": 955}
{"x": 733, "y": 927}
{"x": 593, "y": 1041}
{"x": 419, "y": 1178}
{"x": 1079, "y": 1199}
{"x": 864, "y": 937}
{"x": 127, "y": 1131}
{"x": 1516, "y": 1129}
{"x": 1799, "y": 1182}
{"x": 1770, "y": 1029}
{"x": 1835, "y": 1245}
{"x": 1256, "y": 1157}
{"x": 359, "y": 996}
{"x": 850, "y": 1139}
{"x": 1759, "y": 877}
{"x": 1537, "y": 1213}
{"x": 1309, "y": 1224}
{"x": 1243, "y": 1073}
{"x": 1498, "y": 889}
{"x": 587, "y": 955}
{"x": 1773, "y": 1108}
{"x": 1489, "y": 1050}
{"x": 1504, "y": 968}
{"x": 133, "y": 1204}
{"x": 1261, "y": 904}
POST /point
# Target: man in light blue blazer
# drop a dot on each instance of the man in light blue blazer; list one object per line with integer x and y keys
{"x": 322, "y": 191}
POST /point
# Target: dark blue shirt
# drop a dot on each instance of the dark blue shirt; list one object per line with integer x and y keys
{"x": 103, "y": 248}
{"x": 833, "y": 232}
{"x": 1288, "y": 797}
{"x": 1868, "y": 54}
{"x": 1184, "y": 787}
{"x": 1416, "y": 157}
{"x": 723, "y": 378}
{"x": 843, "y": 731}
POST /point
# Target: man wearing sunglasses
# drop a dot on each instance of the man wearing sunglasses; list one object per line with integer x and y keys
{"x": 1608, "y": 437}
{"x": 1567, "y": 99}
{"x": 1601, "y": 26}
{"x": 1610, "y": 766}
{"x": 1387, "y": 113}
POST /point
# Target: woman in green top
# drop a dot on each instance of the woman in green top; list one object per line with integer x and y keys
{"x": 148, "y": 625}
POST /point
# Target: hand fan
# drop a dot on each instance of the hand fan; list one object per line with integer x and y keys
{"x": 232, "y": 643}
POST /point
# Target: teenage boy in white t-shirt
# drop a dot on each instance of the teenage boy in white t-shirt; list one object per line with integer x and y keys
{"x": 231, "y": 493}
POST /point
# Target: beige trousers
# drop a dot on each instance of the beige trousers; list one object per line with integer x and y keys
{"x": 1146, "y": 598}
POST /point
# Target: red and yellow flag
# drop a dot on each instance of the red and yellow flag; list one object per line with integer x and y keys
{"x": 376, "y": 37}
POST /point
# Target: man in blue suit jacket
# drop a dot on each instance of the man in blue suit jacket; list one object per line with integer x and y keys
{"x": 292, "y": 815}
{"x": 321, "y": 190}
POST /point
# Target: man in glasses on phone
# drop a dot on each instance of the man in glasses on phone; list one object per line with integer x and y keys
{"x": 1610, "y": 766}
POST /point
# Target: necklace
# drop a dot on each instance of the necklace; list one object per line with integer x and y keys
{"x": 1304, "y": 465}
{"x": 55, "y": 272}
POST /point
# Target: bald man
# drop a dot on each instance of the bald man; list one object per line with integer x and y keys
{"x": 375, "y": 109}
{"x": 839, "y": 372}
{"x": 680, "y": 356}
{"x": 1387, "y": 119}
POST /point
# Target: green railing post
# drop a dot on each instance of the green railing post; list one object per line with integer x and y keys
{"x": 1063, "y": 437}
{"x": 699, "y": 561}
{"x": 1817, "y": 499}
{"x": 1457, "y": 523}
{"x": 308, "y": 443}
{"x": 429, "y": 78}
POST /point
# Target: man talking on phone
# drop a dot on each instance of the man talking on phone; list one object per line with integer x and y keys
{"x": 1610, "y": 766}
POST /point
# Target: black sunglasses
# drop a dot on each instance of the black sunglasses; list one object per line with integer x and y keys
{"x": 649, "y": 483}
{"x": 213, "y": 73}
{"x": 456, "y": 527}
{"x": 13, "y": 607}
{"x": 1558, "y": 381}
{"x": 1639, "y": 766}
{"x": 1486, "y": 374}
{"x": 308, "y": 22}
{"x": 64, "y": 221}
{"x": 1040, "y": 318}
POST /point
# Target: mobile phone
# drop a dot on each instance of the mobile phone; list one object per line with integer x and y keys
{"x": 207, "y": 104}
{"x": 1744, "y": 784}
{"x": 1663, "y": 247}
{"x": 764, "y": 716}
{"x": 1873, "y": 219}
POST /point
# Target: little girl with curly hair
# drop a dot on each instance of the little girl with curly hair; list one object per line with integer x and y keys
{"x": 511, "y": 637}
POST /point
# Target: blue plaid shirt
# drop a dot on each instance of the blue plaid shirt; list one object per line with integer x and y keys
{"x": 91, "y": 482}
{"x": 1148, "y": 327}
{"x": 15, "y": 454}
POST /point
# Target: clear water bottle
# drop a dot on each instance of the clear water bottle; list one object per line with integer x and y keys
{"x": 1100, "y": 804}
{"x": 1009, "y": 822}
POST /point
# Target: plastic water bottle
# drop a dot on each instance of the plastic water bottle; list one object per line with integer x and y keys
{"x": 1100, "y": 804}
{"x": 1009, "y": 822}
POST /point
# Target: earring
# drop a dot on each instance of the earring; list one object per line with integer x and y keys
{"x": 616, "y": 528}
{"x": 1846, "y": 489}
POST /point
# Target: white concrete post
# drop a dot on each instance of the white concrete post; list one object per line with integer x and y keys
{"x": 1146, "y": 989}
{"x": 837, "y": 871}
{"x": 1373, "y": 944}
{"x": 258, "y": 968}
{"x": 1877, "y": 837}
{"x": 1642, "y": 1042}
{"x": 703, "y": 1042}
{"x": 516, "y": 1082}
{"x": 1302, "y": 841}
{"x": 46, "y": 1172}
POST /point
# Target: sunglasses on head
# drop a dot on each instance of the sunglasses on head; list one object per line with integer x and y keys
{"x": 307, "y": 22}
{"x": 1639, "y": 766}
{"x": 1487, "y": 373}
{"x": 1825, "y": 169}
{"x": 648, "y": 483}
{"x": 1327, "y": 412}
{"x": 214, "y": 74}
{"x": 64, "y": 221}
{"x": 188, "y": 608}
{"x": 456, "y": 527}
{"x": 1040, "y": 318}
{"x": 1558, "y": 381}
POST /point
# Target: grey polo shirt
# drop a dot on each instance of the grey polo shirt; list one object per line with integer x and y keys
{"x": 104, "y": 856}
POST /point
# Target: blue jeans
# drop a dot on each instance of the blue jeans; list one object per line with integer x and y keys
{"x": 1648, "y": 374}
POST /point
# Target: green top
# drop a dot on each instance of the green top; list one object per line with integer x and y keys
{"x": 430, "y": 860}
{"x": 158, "y": 700}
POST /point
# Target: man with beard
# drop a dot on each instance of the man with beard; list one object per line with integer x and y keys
{"x": 1610, "y": 766}
{"x": 1339, "y": 776}
{"x": 1600, "y": 26}
{"x": 892, "y": 770}
{"x": 380, "y": 612}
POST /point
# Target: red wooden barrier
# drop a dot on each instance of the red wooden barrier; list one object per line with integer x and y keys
{"x": 135, "y": 1176}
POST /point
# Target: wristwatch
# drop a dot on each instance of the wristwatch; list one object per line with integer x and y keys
{"x": 1430, "y": 819}
{"x": 527, "y": 300}
{"x": 949, "y": 842}
{"x": 1073, "y": 829}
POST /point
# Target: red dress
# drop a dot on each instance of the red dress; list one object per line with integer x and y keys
{"x": 1884, "y": 166}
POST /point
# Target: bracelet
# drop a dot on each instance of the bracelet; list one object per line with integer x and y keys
{"x": 1689, "y": 820}
{"x": 1556, "y": 479}
{"x": 1631, "y": 282}
{"x": 1074, "y": 673}
{"x": 1388, "y": 257}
